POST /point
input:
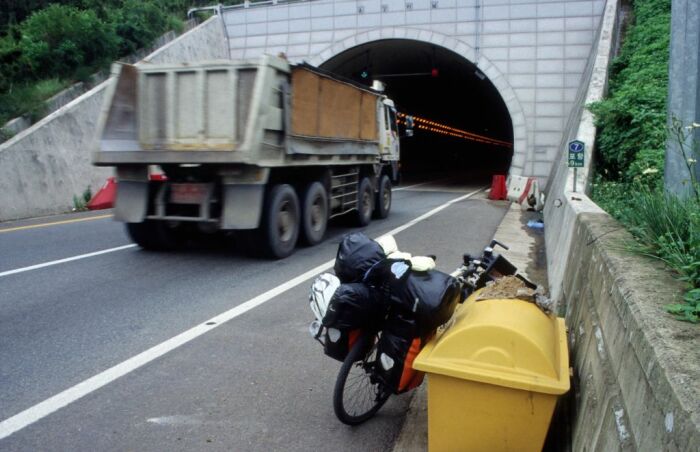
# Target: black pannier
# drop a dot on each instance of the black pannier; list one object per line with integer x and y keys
{"x": 387, "y": 274}
{"x": 356, "y": 254}
{"x": 398, "y": 346}
{"x": 432, "y": 296}
{"x": 353, "y": 306}
{"x": 337, "y": 343}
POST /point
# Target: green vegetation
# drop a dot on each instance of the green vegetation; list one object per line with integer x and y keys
{"x": 28, "y": 98}
{"x": 632, "y": 120}
{"x": 60, "y": 39}
{"x": 631, "y": 144}
{"x": 47, "y": 45}
{"x": 667, "y": 227}
{"x": 80, "y": 202}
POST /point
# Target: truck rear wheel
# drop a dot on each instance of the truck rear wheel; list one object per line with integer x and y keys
{"x": 314, "y": 218}
{"x": 281, "y": 221}
{"x": 381, "y": 210}
{"x": 153, "y": 235}
{"x": 365, "y": 202}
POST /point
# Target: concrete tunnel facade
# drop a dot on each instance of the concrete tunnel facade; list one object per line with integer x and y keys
{"x": 508, "y": 111}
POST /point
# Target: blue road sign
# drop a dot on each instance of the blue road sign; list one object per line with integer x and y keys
{"x": 576, "y": 153}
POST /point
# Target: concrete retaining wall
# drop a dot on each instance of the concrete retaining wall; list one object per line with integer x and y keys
{"x": 42, "y": 167}
{"x": 562, "y": 203}
{"x": 635, "y": 368}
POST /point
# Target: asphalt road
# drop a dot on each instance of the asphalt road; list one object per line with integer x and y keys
{"x": 256, "y": 382}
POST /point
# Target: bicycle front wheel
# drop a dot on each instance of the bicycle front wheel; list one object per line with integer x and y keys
{"x": 358, "y": 395}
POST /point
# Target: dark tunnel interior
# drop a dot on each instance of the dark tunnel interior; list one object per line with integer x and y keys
{"x": 435, "y": 83}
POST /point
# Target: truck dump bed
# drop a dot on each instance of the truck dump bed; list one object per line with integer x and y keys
{"x": 264, "y": 113}
{"x": 325, "y": 108}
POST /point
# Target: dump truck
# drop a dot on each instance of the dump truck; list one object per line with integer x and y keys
{"x": 261, "y": 147}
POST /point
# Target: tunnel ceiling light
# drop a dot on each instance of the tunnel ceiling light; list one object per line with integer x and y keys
{"x": 434, "y": 72}
{"x": 442, "y": 129}
{"x": 480, "y": 74}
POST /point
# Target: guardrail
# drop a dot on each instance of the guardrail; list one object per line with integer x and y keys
{"x": 219, "y": 8}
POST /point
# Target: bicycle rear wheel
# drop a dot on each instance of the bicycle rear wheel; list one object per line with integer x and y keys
{"x": 358, "y": 395}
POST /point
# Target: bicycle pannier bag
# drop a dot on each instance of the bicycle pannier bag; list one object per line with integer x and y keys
{"x": 352, "y": 306}
{"x": 356, "y": 254}
{"x": 398, "y": 347}
{"x": 432, "y": 296}
{"x": 337, "y": 343}
{"x": 322, "y": 291}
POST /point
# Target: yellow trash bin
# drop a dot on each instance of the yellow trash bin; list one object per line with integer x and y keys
{"x": 494, "y": 376}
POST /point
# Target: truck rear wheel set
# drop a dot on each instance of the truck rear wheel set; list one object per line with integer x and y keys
{"x": 280, "y": 223}
{"x": 314, "y": 213}
{"x": 286, "y": 220}
{"x": 365, "y": 202}
{"x": 383, "y": 197}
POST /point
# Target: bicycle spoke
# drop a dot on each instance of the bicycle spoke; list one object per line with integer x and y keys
{"x": 358, "y": 393}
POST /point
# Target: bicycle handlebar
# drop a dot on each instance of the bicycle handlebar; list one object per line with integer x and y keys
{"x": 475, "y": 272}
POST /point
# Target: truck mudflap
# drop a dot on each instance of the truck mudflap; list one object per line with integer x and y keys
{"x": 131, "y": 204}
{"x": 132, "y": 201}
{"x": 242, "y": 206}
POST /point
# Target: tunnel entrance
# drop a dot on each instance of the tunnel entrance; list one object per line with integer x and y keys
{"x": 436, "y": 85}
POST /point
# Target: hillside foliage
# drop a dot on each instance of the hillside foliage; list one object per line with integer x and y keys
{"x": 633, "y": 130}
{"x": 54, "y": 43}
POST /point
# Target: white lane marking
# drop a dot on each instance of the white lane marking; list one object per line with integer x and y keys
{"x": 119, "y": 248}
{"x": 63, "y": 261}
{"x": 408, "y": 187}
{"x": 433, "y": 212}
{"x": 70, "y": 395}
{"x": 178, "y": 419}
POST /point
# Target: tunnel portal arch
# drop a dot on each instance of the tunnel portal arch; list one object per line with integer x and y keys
{"x": 464, "y": 50}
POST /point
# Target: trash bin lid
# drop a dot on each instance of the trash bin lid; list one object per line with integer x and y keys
{"x": 503, "y": 342}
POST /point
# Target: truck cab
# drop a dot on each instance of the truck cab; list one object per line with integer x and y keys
{"x": 390, "y": 145}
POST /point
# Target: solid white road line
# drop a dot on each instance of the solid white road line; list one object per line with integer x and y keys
{"x": 408, "y": 187}
{"x": 433, "y": 212}
{"x": 119, "y": 248}
{"x": 70, "y": 395}
{"x": 63, "y": 261}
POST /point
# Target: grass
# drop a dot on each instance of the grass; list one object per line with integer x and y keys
{"x": 29, "y": 98}
{"x": 664, "y": 227}
{"x": 80, "y": 201}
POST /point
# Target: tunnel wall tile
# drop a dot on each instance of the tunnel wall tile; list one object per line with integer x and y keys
{"x": 523, "y": 11}
{"x": 498, "y": 12}
{"x": 522, "y": 26}
{"x": 299, "y": 11}
{"x": 550, "y": 66}
{"x": 579, "y": 23}
{"x": 275, "y": 27}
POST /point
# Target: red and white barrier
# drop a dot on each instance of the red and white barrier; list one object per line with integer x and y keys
{"x": 525, "y": 191}
{"x": 104, "y": 198}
